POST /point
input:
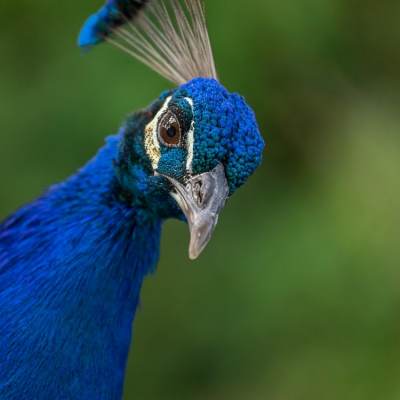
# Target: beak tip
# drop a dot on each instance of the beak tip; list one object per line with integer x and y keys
{"x": 194, "y": 252}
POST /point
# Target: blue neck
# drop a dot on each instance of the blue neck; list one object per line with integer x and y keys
{"x": 71, "y": 268}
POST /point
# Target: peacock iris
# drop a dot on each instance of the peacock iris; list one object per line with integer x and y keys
{"x": 72, "y": 262}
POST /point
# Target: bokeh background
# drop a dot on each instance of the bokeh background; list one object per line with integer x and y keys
{"x": 298, "y": 295}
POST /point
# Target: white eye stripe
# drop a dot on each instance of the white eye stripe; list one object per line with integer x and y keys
{"x": 152, "y": 144}
{"x": 159, "y": 115}
{"x": 190, "y": 140}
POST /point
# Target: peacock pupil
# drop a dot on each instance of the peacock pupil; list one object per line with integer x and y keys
{"x": 171, "y": 132}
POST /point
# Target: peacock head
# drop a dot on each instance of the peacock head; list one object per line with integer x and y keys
{"x": 199, "y": 143}
{"x": 205, "y": 142}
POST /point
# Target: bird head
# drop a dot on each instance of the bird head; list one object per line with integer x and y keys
{"x": 198, "y": 143}
{"x": 205, "y": 142}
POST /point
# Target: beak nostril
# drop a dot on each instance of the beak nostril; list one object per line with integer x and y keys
{"x": 200, "y": 197}
{"x": 198, "y": 193}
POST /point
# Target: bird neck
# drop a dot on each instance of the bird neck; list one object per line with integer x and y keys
{"x": 82, "y": 253}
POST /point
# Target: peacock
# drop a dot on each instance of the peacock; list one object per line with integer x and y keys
{"x": 72, "y": 262}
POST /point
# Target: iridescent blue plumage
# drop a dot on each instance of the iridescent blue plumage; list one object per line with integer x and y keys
{"x": 111, "y": 16}
{"x": 226, "y": 131}
{"x": 72, "y": 262}
{"x": 71, "y": 268}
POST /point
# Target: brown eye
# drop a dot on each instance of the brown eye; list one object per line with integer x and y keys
{"x": 169, "y": 130}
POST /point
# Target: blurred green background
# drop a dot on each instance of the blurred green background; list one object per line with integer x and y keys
{"x": 298, "y": 295}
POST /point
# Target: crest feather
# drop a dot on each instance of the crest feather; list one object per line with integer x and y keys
{"x": 169, "y": 36}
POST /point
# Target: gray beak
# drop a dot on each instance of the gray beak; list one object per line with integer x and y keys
{"x": 201, "y": 200}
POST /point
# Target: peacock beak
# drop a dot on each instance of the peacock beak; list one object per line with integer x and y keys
{"x": 201, "y": 200}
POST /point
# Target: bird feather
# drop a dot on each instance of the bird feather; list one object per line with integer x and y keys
{"x": 169, "y": 36}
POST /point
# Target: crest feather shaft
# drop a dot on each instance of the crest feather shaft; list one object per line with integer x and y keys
{"x": 169, "y": 36}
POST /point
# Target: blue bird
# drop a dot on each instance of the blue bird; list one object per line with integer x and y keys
{"x": 72, "y": 263}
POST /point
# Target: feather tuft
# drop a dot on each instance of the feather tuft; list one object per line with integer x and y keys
{"x": 169, "y": 36}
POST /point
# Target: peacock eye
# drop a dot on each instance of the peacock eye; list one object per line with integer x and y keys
{"x": 169, "y": 130}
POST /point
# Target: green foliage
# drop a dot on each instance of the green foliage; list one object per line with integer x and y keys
{"x": 297, "y": 296}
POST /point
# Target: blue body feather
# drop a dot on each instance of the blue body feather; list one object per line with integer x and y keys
{"x": 71, "y": 267}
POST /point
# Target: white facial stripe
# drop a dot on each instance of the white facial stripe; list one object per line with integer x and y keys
{"x": 190, "y": 140}
{"x": 152, "y": 144}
